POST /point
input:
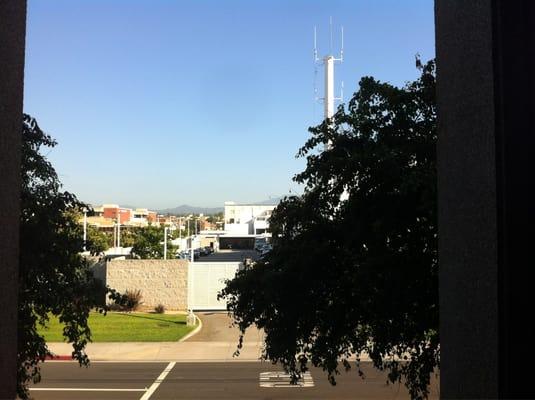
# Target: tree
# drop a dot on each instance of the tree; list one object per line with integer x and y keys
{"x": 54, "y": 278}
{"x": 357, "y": 272}
{"x": 128, "y": 237}
{"x": 148, "y": 243}
{"x": 97, "y": 241}
{"x": 213, "y": 218}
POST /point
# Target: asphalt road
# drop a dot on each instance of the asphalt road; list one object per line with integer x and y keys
{"x": 199, "y": 380}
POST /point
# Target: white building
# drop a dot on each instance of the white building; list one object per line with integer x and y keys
{"x": 247, "y": 219}
{"x": 140, "y": 217}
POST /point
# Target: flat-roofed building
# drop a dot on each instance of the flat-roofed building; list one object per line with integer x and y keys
{"x": 113, "y": 210}
{"x": 247, "y": 219}
{"x": 105, "y": 216}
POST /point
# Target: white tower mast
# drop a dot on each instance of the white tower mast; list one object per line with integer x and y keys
{"x": 328, "y": 102}
{"x": 328, "y": 63}
{"x": 329, "y": 99}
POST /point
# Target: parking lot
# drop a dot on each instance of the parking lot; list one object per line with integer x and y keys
{"x": 230, "y": 255}
{"x": 201, "y": 380}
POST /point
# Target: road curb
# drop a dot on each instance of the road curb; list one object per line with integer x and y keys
{"x": 193, "y": 332}
{"x": 56, "y": 357}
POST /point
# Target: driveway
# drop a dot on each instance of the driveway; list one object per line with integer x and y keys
{"x": 217, "y": 327}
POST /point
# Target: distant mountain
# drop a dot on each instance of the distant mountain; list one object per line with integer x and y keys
{"x": 185, "y": 209}
{"x": 272, "y": 201}
{"x": 127, "y": 206}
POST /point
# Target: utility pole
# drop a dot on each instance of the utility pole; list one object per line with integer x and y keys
{"x": 165, "y": 243}
{"x": 85, "y": 229}
{"x": 114, "y": 235}
{"x": 118, "y": 228}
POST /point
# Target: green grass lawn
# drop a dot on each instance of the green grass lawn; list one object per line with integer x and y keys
{"x": 124, "y": 327}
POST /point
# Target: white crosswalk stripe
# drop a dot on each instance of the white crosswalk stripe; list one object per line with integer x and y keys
{"x": 282, "y": 379}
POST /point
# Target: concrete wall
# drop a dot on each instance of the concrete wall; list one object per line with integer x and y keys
{"x": 160, "y": 281}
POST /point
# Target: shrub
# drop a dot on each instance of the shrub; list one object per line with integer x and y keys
{"x": 160, "y": 309}
{"x": 115, "y": 307}
{"x": 133, "y": 300}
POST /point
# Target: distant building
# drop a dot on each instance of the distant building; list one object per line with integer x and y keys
{"x": 112, "y": 210}
{"x": 105, "y": 216}
{"x": 247, "y": 219}
{"x": 152, "y": 217}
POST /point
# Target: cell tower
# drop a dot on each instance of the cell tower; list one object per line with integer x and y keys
{"x": 328, "y": 64}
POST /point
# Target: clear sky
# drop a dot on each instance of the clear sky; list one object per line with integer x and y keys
{"x": 159, "y": 103}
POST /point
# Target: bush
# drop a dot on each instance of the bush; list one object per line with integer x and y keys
{"x": 159, "y": 309}
{"x": 115, "y": 307}
{"x": 133, "y": 300}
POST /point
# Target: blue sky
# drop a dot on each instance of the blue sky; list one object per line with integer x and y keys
{"x": 161, "y": 103}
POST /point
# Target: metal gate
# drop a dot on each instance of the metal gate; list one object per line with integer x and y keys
{"x": 205, "y": 280}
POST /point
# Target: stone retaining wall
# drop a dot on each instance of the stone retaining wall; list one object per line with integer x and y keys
{"x": 160, "y": 281}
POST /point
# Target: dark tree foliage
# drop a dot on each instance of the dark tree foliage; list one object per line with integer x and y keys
{"x": 54, "y": 278}
{"x": 357, "y": 275}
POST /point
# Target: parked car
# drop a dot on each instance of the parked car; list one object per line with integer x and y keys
{"x": 265, "y": 250}
{"x": 207, "y": 250}
{"x": 259, "y": 245}
{"x": 186, "y": 254}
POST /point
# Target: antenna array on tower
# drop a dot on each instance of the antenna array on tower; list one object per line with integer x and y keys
{"x": 328, "y": 63}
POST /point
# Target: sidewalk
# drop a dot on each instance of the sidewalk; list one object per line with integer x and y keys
{"x": 164, "y": 351}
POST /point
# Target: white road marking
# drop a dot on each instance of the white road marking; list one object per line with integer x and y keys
{"x": 86, "y": 390}
{"x": 182, "y": 361}
{"x": 157, "y": 382}
{"x": 112, "y": 361}
{"x": 281, "y": 379}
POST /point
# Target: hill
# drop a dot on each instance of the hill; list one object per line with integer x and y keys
{"x": 186, "y": 209}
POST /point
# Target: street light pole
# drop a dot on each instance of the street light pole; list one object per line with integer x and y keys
{"x": 85, "y": 228}
{"x": 165, "y": 243}
{"x": 118, "y": 229}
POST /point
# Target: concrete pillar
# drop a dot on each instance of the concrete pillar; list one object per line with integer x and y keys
{"x": 486, "y": 165}
{"x": 12, "y": 36}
